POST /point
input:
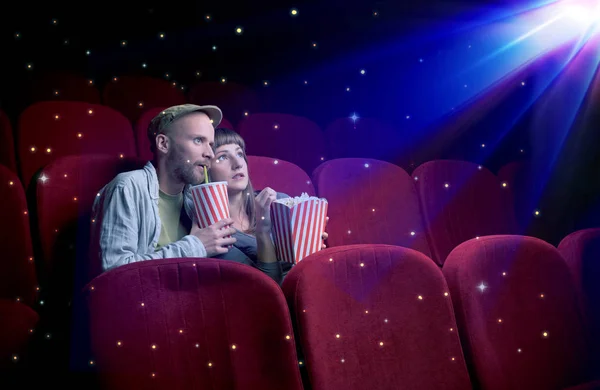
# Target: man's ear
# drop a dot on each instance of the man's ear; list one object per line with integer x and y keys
{"x": 162, "y": 143}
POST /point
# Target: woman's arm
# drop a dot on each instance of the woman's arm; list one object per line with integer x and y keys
{"x": 265, "y": 249}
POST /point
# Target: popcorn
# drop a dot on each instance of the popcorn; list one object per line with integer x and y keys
{"x": 298, "y": 224}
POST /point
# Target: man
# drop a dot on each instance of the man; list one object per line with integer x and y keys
{"x": 148, "y": 213}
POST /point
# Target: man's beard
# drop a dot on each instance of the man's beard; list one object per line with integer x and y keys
{"x": 182, "y": 170}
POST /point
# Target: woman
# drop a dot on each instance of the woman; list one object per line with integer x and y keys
{"x": 249, "y": 210}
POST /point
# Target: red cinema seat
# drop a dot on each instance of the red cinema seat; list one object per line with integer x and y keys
{"x": 280, "y": 175}
{"x": 370, "y": 202}
{"x": 461, "y": 200}
{"x": 64, "y": 204}
{"x": 517, "y": 313}
{"x": 141, "y": 132}
{"x": 375, "y": 317}
{"x": 283, "y": 136}
{"x": 65, "y": 195}
{"x": 236, "y": 100}
{"x": 49, "y": 130}
{"x": 7, "y": 143}
{"x": 18, "y": 281}
{"x": 509, "y": 173}
{"x": 18, "y": 324}
{"x": 132, "y": 95}
{"x": 190, "y": 324}
{"x": 64, "y": 86}
{"x": 581, "y": 251}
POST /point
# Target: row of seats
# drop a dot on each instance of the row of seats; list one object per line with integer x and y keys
{"x": 503, "y": 313}
{"x": 51, "y": 129}
{"x": 133, "y": 94}
{"x": 442, "y": 205}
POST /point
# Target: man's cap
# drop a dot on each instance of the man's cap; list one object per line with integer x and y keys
{"x": 167, "y": 116}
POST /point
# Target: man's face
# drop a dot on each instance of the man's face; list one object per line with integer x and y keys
{"x": 190, "y": 148}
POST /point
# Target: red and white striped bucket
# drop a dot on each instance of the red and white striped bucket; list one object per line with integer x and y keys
{"x": 297, "y": 229}
{"x": 211, "y": 203}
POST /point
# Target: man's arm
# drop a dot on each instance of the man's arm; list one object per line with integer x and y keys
{"x": 119, "y": 229}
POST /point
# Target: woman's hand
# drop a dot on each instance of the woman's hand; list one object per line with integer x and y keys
{"x": 324, "y": 236}
{"x": 262, "y": 204}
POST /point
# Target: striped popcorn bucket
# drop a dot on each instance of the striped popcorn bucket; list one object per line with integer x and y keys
{"x": 211, "y": 203}
{"x": 297, "y": 229}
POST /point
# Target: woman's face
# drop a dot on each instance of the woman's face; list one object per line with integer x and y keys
{"x": 229, "y": 165}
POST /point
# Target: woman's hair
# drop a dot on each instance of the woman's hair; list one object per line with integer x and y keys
{"x": 225, "y": 136}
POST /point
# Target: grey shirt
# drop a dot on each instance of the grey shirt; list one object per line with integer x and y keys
{"x": 246, "y": 251}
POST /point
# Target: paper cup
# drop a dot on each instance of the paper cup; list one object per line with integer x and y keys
{"x": 297, "y": 229}
{"x": 211, "y": 203}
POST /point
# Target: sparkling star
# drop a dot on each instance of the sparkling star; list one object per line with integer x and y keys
{"x": 482, "y": 286}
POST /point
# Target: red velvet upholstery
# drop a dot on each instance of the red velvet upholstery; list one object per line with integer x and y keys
{"x": 367, "y": 138}
{"x": 64, "y": 86}
{"x": 508, "y": 173}
{"x": 16, "y": 329}
{"x": 355, "y": 187}
{"x": 214, "y": 325}
{"x": 280, "y": 175}
{"x": 64, "y": 203}
{"x": 517, "y": 313}
{"x": 235, "y": 100}
{"x": 7, "y": 143}
{"x": 288, "y": 137}
{"x": 368, "y": 295}
{"x": 581, "y": 251}
{"x": 18, "y": 278}
{"x": 141, "y": 131}
{"x": 132, "y": 95}
{"x": 460, "y": 201}
{"x": 81, "y": 128}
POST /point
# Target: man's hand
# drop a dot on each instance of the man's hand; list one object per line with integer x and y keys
{"x": 215, "y": 238}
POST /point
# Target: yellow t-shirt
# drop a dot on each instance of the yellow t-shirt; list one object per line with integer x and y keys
{"x": 169, "y": 210}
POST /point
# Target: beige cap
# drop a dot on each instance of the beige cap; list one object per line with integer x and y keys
{"x": 164, "y": 119}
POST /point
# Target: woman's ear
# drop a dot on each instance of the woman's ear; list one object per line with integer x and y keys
{"x": 162, "y": 143}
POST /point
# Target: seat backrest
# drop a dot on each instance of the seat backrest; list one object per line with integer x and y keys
{"x": 517, "y": 313}
{"x": 235, "y": 100}
{"x": 132, "y": 95}
{"x": 282, "y": 176}
{"x": 581, "y": 251}
{"x": 49, "y": 130}
{"x": 461, "y": 200}
{"x": 283, "y": 136}
{"x": 367, "y": 138}
{"x": 18, "y": 279}
{"x": 141, "y": 131}
{"x": 191, "y": 323}
{"x": 375, "y": 317}
{"x": 65, "y": 195}
{"x": 7, "y": 143}
{"x": 64, "y": 86}
{"x": 370, "y": 202}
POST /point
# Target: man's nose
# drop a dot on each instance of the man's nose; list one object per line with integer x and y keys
{"x": 208, "y": 153}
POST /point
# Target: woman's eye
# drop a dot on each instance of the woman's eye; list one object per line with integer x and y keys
{"x": 197, "y": 141}
{"x": 221, "y": 157}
